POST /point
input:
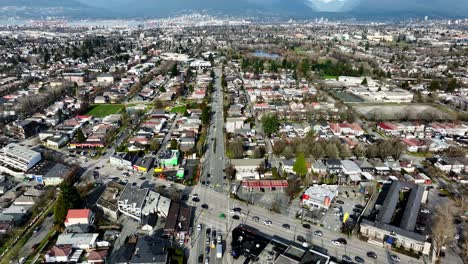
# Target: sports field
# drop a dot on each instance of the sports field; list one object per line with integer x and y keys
{"x": 103, "y": 110}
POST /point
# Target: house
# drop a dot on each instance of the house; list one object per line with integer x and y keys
{"x": 108, "y": 201}
{"x": 97, "y": 256}
{"x": 58, "y": 254}
{"x": 79, "y": 217}
{"x": 247, "y": 168}
{"x": 23, "y": 129}
{"x": 351, "y": 170}
{"x": 100, "y": 100}
{"x": 55, "y": 175}
{"x": 287, "y": 165}
{"x": 319, "y": 196}
{"x": 319, "y": 167}
{"x": 105, "y": 78}
{"x": 56, "y": 141}
{"x": 84, "y": 241}
{"x": 234, "y": 123}
{"x": 334, "y": 166}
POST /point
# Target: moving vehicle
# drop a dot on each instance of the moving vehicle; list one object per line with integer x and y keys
{"x": 219, "y": 251}
{"x": 267, "y": 222}
{"x": 199, "y": 226}
{"x": 286, "y": 226}
{"x": 306, "y": 226}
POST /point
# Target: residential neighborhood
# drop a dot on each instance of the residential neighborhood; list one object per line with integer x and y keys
{"x": 199, "y": 139}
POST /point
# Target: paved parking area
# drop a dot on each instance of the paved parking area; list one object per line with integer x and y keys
{"x": 332, "y": 219}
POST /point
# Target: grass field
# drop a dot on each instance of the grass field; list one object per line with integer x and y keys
{"x": 179, "y": 109}
{"x": 329, "y": 77}
{"x": 102, "y": 110}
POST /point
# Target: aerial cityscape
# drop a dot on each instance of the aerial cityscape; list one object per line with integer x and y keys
{"x": 252, "y": 131}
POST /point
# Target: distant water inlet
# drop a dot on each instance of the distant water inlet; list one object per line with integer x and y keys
{"x": 264, "y": 54}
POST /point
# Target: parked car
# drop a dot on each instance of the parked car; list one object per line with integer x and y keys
{"x": 306, "y": 226}
{"x": 372, "y": 254}
{"x": 235, "y": 217}
{"x": 318, "y": 233}
{"x": 199, "y": 226}
{"x": 339, "y": 202}
{"x": 395, "y": 258}
{"x": 347, "y": 259}
{"x": 286, "y": 226}
{"x": 255, "y": 218}
{"x": 204, "y": 206}
{"x": 336, "y": 243}
{"x": 267, "y": 222}
{"x": 301, "y": 239}
{"x": 342, "y": 241}
{"x": 358, "y": 259}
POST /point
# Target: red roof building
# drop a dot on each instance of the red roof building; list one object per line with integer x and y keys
{"x": 263, "y": 185}
{"x": 79, "y": 217}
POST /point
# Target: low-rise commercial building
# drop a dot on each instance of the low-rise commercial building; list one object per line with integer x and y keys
{"x": 319, "y": 196}
{"x": 16, "y": 159}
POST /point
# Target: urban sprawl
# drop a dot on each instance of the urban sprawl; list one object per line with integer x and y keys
{"x": 202, "y": 140}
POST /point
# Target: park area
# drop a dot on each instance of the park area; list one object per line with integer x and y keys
{"x": 103, "y": 110}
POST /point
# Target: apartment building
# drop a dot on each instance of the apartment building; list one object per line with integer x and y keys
{"x": 16, "y": 159}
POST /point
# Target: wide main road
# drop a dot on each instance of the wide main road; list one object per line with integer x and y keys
{"x": 214, "y": 160}
{"x": 219, "y": 203}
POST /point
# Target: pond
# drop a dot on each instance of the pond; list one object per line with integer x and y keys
{"x": 264, "y": 54}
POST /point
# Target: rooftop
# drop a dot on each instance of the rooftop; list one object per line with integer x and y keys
{"x": 20, "y": 151}
{"x": 134, "y": 195}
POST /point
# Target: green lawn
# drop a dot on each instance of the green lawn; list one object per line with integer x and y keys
{"x": 179, "y": 109}
{"x": 330, "y": 77}
{"x": 103, "y": 110}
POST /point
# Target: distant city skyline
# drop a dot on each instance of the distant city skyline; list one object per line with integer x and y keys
{"x": 258, "y": 8}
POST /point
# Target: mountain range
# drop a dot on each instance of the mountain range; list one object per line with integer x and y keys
{"x": 280, "y": 8}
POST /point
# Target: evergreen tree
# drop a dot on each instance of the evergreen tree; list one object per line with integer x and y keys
{"x": 300, "y": 166}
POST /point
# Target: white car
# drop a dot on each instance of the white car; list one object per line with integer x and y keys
{"x": 267, "y": 222}
{"x": 336, "y": 243}
{"x": 199, "y": 227}
{"x": 425, "y": 211}
{"x": 395, "y": 258}
{"x": 232, "y": 212}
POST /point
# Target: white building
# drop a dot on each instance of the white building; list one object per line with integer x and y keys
{"x": 77, "y": 240}
{"x": 319, "y": 196}
{"x": 247, "y": 168}
{"x": 131, "y": 201}
{"x": 105, "y": 78}
{"x": 234, "y": 123}
{"x": 16, "y": 159}
{"x": 200, "y": 64}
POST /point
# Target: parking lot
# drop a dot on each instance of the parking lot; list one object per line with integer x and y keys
{"x": 342, "y": 204}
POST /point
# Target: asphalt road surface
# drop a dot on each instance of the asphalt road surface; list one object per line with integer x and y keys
{"x": 219, "y": 203}
{"x": 214, "y": 160}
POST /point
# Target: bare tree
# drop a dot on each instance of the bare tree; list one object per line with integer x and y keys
{"x": 443, "y": 228}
